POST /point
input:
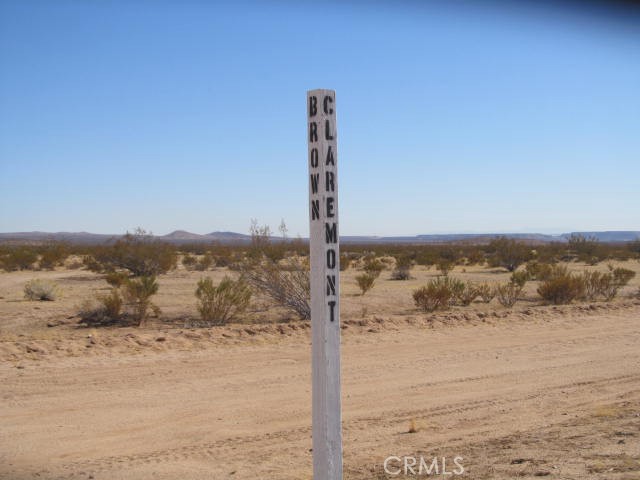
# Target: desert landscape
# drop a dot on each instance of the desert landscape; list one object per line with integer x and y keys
{"x": 527, "y": 391}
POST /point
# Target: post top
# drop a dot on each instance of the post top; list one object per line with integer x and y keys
{"x": 321, "y": 91}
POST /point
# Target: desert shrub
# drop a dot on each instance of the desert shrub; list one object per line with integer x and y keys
{"x": 562, "y": 288}
{"x": 112, "y": 304}
{"x": 445, "y": 266}
{"x": 365, "y": 281}
{"x": 538, "y": 271}
{"x": 508, "y": 293}
{"x": 138, "y": 253}
{"x": 486, "y": 292}
{"x": 189, "y": 261}
{"x": 621, "y": 276}
{"x": 507, "y": 253}
{"x": 18, "y": 258}
{"x": 519, "y": 278}
{"x": 40, "y": 289}
{"x": 104, "y": 310}
{"x": 586, "y": 249}
{"x": 219, "y": 304}
{"x": 205, "y": 262}
{"x": 287, "y": 284}
{"x": 436, "y": 295}
{"x": 466, "y": 295}
{"x": 138, "y": 293}
{"x": 597, "y": 284}
{"x": 402, "y": 269}
{"x": 116, "y": 279}
{"x": 53, "y": 255}
{"x": 372, "y": 266}
{"x": 475, "y": 256}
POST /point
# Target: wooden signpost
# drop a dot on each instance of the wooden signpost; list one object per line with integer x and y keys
{"x": 325, "y": 284}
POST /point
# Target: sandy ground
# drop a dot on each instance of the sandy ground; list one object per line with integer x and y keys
{"x": 528, "y": 392}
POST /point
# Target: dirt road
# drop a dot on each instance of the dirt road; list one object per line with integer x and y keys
{"x": 555, "y": 396}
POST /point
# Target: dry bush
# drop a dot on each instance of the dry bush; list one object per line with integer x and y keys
{"x": 507, "y": 253}
{"x": 138, "y": 253}
{"x": 116, "y": 279}
{"x": 539, "y": 271}
{"x": 18, "y": 258}
{"x": 519, "y": 278}
{"x": 445, "y": 266}
{"x": 218, "y": 305}
{"x": 189, "y": 261}
{"x": 373, "y": 266}
{"x": 287, "y": 284}
{"x": 598, "y": 284}
{"x": 138, "y": 293}
{"x": 436, "y": 295}
{"x": 365, "y": 281}
{"x": 104, "y": 310}
{"x": 621, "y": 276}
{"x": 205, "y": 262}
{"x": 586, "y": 249}
{"x": 53, "y": 255}
{"x": 508, "y": 293}
{"x": 402, "y": 270}
{"x": 562, "y": 288}
{"x": 40, "y": 289}
{"x": 486, "y": 292}
{"x": 468, "y": 293}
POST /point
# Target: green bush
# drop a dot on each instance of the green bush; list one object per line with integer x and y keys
{"x": 519, "y": 278}
{"x": 436, "y": 295}
{"x": 508, "y": 253}
{"x": 218, "y": 305}
{"x": 40, "y": 289}
{"x": 138, "y": 293}
{"x": 373, "y": 266}
{"x": 138, "y": 253}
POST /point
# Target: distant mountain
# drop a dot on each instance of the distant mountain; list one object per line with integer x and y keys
{"x": 614, "y": 236}
{"x": 181, "y": 237}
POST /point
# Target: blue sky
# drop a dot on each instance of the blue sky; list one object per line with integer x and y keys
{"x": 453, "y": 116}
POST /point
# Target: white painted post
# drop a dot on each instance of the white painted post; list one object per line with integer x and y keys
{"x": 325, "y": 284}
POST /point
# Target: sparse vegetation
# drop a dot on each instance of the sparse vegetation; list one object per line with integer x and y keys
{"x": 562, "y": 287}
{"x": 436, "y": 295}
{"x": 137, "y": 253}
{"x": 508, "y": 253}
{"x": 138, "y": 293}
{"x": 40, "y": 289}
{"x": 486, "y": 292}
{"x": 508, "y": 293}
{"x": 365, "y": 281}
{"x": 402, "y": 270}
{"x": 219, "y": 304}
